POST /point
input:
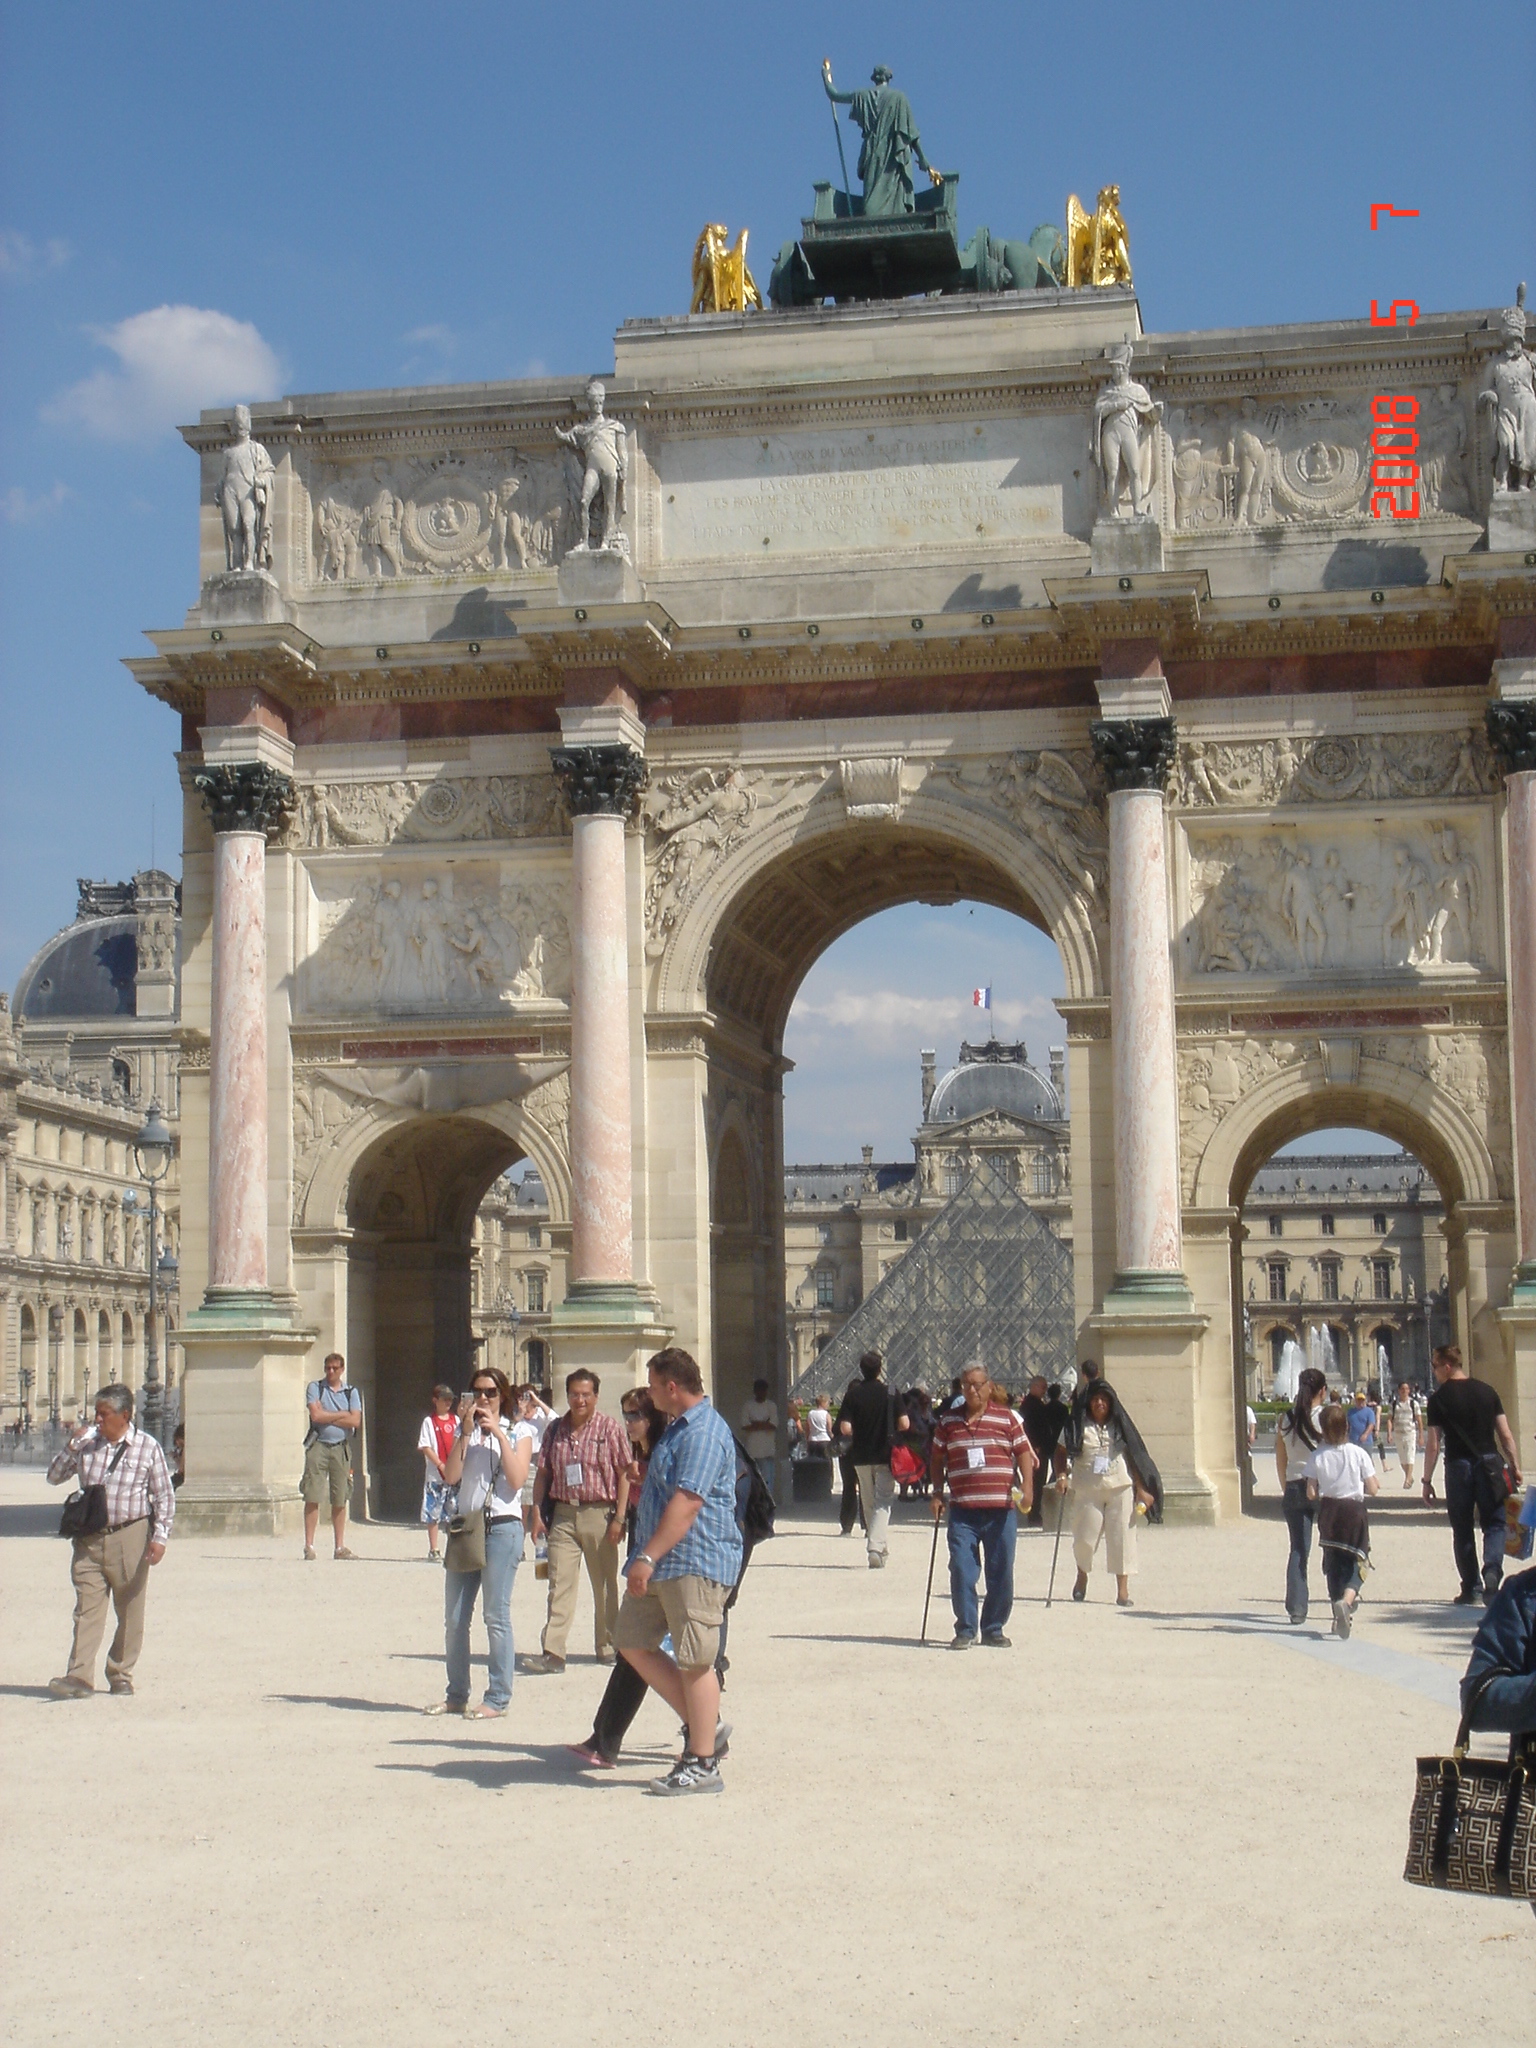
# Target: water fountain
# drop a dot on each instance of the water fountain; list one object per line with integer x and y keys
{"x": 1289, "y": 1372}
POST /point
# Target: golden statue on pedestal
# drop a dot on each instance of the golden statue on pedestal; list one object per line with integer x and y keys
{"x": 722, "y": 282}
{"x": 1098, "y": 248}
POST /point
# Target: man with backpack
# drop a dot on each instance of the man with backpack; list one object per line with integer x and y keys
{"x": 865, "y": 1430}
{"x": 335, "y": 1411}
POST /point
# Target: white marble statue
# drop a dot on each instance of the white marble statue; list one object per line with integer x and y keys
{"x": 1509, "y": 388}
{"x": 600, "y": 443}
{"x": 1118, "y": 412}
{"x": 245, "y": 498}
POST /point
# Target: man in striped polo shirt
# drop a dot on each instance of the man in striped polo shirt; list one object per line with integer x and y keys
{"x": 977, "y": 1449}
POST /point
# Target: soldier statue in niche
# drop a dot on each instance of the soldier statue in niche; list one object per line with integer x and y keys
{"x": 605, "y": 466}
{"x": 245, "y": 498}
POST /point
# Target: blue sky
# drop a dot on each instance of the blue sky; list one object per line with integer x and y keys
{"x": 200, "y": 202}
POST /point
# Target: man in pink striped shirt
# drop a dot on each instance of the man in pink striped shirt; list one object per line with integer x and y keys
{"x": 115, "y": 1563}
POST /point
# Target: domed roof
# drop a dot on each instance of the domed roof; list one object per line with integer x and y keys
{"x": 86, "y": 971}
{"x": 997, "y": 1077}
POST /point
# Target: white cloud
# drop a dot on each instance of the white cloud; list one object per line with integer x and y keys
{"x": 436, "y": 335}
{"x": 171, "y": 362}
{"x": 21, "y": 257}
{"x": 18, "y": 507}
{"x": 886, "y": 1015}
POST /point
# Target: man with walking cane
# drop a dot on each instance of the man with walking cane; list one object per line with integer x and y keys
{"x": 977, "y": 1450}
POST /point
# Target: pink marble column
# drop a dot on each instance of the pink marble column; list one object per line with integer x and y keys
{"x": 244, "y": 802}
{"x": 237, "y": 1064}
{"x": 1520, "y": 792}
{"x": 1149, "y": 1250}
{"x": 600, "y": 784}
{"x": 602, "y": 1235}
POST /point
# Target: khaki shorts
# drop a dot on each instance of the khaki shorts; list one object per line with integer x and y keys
{"x": 689, "y": 1609}
{"x": 327, "y": 1475}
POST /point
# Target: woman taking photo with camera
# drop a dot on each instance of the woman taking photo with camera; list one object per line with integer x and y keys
{"x": 488, "y": 1464}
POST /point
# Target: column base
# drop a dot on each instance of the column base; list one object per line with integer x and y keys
{"x": 247, "y": 1361}
{"x": 1150, "y": 1339}
{"x": 612, "y": 1328}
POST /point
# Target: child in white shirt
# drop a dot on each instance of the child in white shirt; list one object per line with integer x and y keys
{"x": 1339, "y": 1475}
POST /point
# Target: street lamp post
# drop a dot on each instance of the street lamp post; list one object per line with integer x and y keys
{"x": 26, "y": 1378}
{"x": 55, "y": 1352}
{"x": 152, "y": 1150}
{"x": 506, "y": 1308}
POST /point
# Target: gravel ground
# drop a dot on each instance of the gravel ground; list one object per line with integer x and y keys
{"x": 1185, "y": 1821}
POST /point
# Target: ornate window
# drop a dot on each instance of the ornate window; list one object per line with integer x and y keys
{"x": 534, "y": 1282}
{"x": 1381, "y": 1279}
{"x": 1276, "y": 1226}
{"x": 1328, "y": 1273}
{"x": 1277, "y": 1279}
{"x": 1326, "y": 1223}
{"x": 825, "y": 1281}
{"x": 535, "y": 1237}
{"x": 1379, "y": 1225}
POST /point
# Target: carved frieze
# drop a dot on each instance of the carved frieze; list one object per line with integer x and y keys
{"x": 443, "y": 808}
{"x": 1333, "y": 768}
{"x": 1369, "y": 903}
{"x": 550, "y": 1106}
{"x": 456, "y": 936}
{"x": 504, "y": 513}
{"x": 1269, "y": 463}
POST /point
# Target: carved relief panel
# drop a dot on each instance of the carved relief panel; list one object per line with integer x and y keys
{"x": 439, "y": 808}
{"x": 1267, "y": 462}
{"x": 1362, "y": 898}
{"x": 506, "y": 512}
{"x": 417, "y": 936}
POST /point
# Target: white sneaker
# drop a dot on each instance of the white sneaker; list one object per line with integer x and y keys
{"x": 688, "y": 1774}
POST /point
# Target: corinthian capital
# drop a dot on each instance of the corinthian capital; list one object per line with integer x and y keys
{"x": 1135, "y": 753}
{"x": 600, "y": 781}
{"x": 1512, "y": 735}
{"x": 245, "y": 796}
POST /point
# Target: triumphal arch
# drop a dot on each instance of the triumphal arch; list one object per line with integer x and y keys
{"x": 538, "y": 736}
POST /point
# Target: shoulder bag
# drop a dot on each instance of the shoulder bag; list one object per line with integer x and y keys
{"x": 1472, "y": 1827}
{"x": 465, "y": 1549}
{"x": 85, "y": 1512}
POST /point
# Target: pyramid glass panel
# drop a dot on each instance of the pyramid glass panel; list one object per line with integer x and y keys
{"x": 988, "y": 1279}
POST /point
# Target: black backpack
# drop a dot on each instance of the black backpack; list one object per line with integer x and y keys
{"x": 755, "y": 1508}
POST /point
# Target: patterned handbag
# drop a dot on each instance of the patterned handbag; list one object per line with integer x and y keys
{"x": 1473, "y": 1823}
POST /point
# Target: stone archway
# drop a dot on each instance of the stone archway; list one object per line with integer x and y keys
{"x": 1397, "y": 1087}
{"x": 749, "y": 938}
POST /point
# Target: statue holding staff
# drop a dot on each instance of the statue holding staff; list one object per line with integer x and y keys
{"x": 883, "y": 116}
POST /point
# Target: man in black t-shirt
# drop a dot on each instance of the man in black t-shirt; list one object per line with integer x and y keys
{"x": 1466, "y": 1418}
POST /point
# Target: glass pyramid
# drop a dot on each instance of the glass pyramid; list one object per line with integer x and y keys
{"x": 988, "y": 1278}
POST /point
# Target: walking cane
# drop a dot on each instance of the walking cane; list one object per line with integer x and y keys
{"x": 932, "y": 1555}
{"x": 1061, "y": 1516}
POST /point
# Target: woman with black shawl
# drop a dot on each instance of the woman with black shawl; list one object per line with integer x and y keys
{"x": 1295, "y": 1441}
{"x": 1112, "y": 1476}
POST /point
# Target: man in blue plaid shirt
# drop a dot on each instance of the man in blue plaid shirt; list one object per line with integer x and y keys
{"x": 686, "y": 1559}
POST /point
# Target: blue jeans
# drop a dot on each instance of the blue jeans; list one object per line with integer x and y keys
{"x": 1300, "y": 1516}
{"x": 503, "y": 1555}
{"x": 1470, "y": 1496}
{"x": 769, "y": 1467}
{"x": 977, "y": 1535}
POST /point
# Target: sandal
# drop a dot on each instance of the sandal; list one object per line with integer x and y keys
{"x": 346, "y": 1556}
{"x": 444, "y": 1707}
{"x": 484, "y": 1713}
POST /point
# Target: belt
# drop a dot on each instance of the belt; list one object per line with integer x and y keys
{"x": 112, "y": 1528}
{"x": 560, "y": 1502}
{"x": 495, "y": 1521}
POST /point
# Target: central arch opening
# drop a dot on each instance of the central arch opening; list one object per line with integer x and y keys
{"x": 412, "y": 1203}
{"x": 783, "y": 924}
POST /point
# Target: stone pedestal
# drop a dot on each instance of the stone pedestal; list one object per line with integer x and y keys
{"x": 1153, "y": 1358}
{"x": 243, "y": 1404}
{"x": 242, "y": 597}
{"x": 598, "y": 576}
{"x": 1512, "y": 523}
{"x": 1127, "y": 547}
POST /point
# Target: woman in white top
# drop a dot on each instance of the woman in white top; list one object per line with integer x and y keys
{"x": 1404, "y": 1425}
{"x": 818, "y": 1428}
{"x": 488, "y": 1465}
{"x": 1339, "y": 1475}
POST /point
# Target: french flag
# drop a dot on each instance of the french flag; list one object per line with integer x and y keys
{"x": 981, "y": 998}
